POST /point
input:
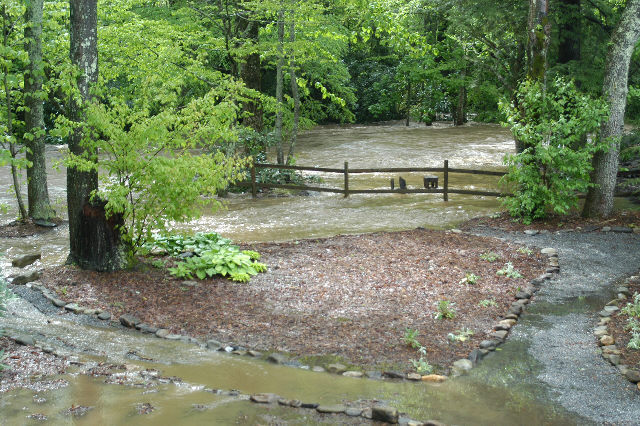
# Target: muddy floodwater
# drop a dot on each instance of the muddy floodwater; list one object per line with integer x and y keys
{"x": 495, "y": 393}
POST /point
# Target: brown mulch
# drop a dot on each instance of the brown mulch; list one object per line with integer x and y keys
{"x": 616, "y": 327}
{"x": 346, "y": 297}
{"x": 624, "y": 218}
{"x": 21, "y": 229}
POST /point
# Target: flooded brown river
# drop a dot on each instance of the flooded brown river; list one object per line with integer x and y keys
{"x": 481, "y": 398}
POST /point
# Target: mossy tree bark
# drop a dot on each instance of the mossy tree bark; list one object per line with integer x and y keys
{"x": 37, "y": 190}
{"x": 599, "y": 202}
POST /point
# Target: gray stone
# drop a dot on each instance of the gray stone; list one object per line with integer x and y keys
{"x": 104, "y": 316}
{"x": 621, "y": 296}
{"x": 239, "y": 352}
{"x": 475, "y": 356}
{"x": 606, "y": 229}
{"x": 367, "y": 413}
{"x": 173, "y": 336}
{"x": 499, "y": 335}
{"x": 375, "y": 375}
{"x": 621, "y": 229}
{"x": 393, "y": 374}
{"x": 146, "y": 328}
{"x": 515, "y": 308}
{"x": 385, "y": 414}
{"x": 613, "y": 302}
{"x": 353, "y": 412}
{"x": 295, "y": 403}
{"x": 129, "y": 320}
{"x": 614, "y": 359}
{"x": 632, "y": 375}
{"x": 25, "y": 340}
{"x": 605, "y": 313}
{"x": 190, "y": 283}
{"x": 213, "y": 344}
{"x": 277, "y": 358}
{"x": 162, "y": 332}
{"x": 623, "y": 290}
{"x": 623, "y": 369}
{"x": 356, "y": 374}
{"x": 549, "y": 251}
{"x": 523, "y": 295}
{"x": 26, "y": 278}
{"x": 463, "y": 365}
{"x": 601, "y": 331}
{"x": 414, "y": 376}
{"x": 488, "y": 344}
{"x": 318, "y": 369}
{"x": 331, "y": 409}
{"x": 336, "y": 368}
{"x": 531, "y": 231}
{"x": 254, "y": 354}
{"x": 511, "y": 316}
{"x": 73, "y": 307}
{"x": 58, "y": 302}
{"x": 611, "y": 308}
{"x": 312, "y": 405}
{"x": 264, "y": 398}
{"x": 26, "y": 260}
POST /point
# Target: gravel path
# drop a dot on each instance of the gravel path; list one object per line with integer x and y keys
{"x": 558, "y": 327}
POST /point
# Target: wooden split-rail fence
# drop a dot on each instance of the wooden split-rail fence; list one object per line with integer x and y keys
{"x": 430, "y": 182}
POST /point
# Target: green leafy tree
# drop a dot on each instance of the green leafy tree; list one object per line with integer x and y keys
{"x": 12, "y": 62}
{"x": 554, "y": 167}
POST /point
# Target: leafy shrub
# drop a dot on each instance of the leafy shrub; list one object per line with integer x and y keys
{"x": 213, "y": 255}
{"x": 421, "y": 365}
{"x": 632, "y": 310}
{"x": 489, "y": 256}
{"x": 460, "y": 335}
{"x": 509, "y": 271}
{"x": 487, "y": 303}
{"x": 410, "y": 338}
{"x": 554, "y": 166}
{"x": 470, "y": 278}
{"x": 446, "y": 310}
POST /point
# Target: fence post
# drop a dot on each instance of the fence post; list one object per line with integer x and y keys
{"x": 346, "y": 179}
{"x": 446, "y": 180}
{"x": 254, "y": 189}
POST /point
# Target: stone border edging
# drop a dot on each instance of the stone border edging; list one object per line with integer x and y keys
{"x": 607, "y": 343}
{"x": 501, "y": 330}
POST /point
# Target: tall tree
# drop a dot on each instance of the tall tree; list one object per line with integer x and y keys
{"x": 539, "y": 28}
{"x": 605, "y": 163}
{"x": 37, "y": 190}
{"x": 9, "y": 57}
{"x": 94, "y": 241}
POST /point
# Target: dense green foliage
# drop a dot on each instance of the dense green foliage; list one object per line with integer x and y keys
{"x": 209, "y": 255}
{"x": 554, "y": 125}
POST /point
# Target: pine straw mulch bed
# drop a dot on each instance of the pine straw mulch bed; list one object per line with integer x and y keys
{"x": 347, "y": 298}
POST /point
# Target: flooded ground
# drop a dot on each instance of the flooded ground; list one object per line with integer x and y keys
{"x": 501, "y": 391}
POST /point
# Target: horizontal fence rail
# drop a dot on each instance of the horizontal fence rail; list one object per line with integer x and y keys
{"x": 346, "y": 171}
{"x": 445, "y": 190}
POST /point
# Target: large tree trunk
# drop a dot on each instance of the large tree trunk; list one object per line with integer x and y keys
{"x": 37, "y": 191}
{"x": 605, "y": 163}
{"x": 294, "y": 90}
{"x": 94, "y": 242}
{"x": 279, "y": 88}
